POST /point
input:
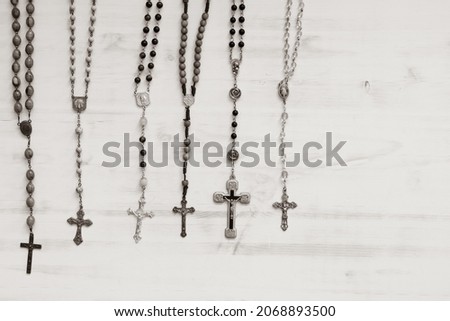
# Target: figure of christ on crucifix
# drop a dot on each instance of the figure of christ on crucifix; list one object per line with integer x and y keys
{"x": 79, "y": 222}
{"x": 140, "y": 214}
{"x": 232, "y": 199}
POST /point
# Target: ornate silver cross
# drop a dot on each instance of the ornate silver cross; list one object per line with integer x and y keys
{"x": 79, "y": 222}
{"x": 285, "y": 205}
{"x": 140, "y": 215}
{"x": 183, "y": 210}
{"x": 232, "y": 199}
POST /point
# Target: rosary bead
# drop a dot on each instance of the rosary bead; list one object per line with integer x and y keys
{"x": 29, "y": 104}
{"x": 234, "y": 136}
{"x": 234, "y": 124}
{"x": 143, "y": 164}
{"x": 72, "y": 38}
{"x": 182, "y": 60}
{"x": 30, "y": 22}
{"x": 29, "y": 91}
{"x": 79, "y": 171}
{"x": 149, "y": 4}
{"x": 144, "y": 43}
{"x": 232, "y": 31}
{"x": 30, "y": 202}
{"x": 18, "y": 107}
{"x": 200, "y": 36}
{"x": 203, "y": 23}
{"x": 16, "y": 81}
{"x": 242, "y": 6}
{"x": 93, "y": 18}
{"x": 232, "y": 44}
{"x": 187, "y": 150}
{"x": 182, "y": 66}
{"x": 185, "y": 182}
{"x": 72, "y": 69}
{"x": 94, "y": 8}
{"x": 155, "y": 41}
{"x": 149, "y": 78}
{"x": 79, "y": 150}
{"x": 15, "y": 67}
{"x": 184, "y": 31}
{"x": 142, "y": 55}
{"x": 199, "y": 43}
{"x": 30, "y": 221}
{"x": 185, "y": 16}
{"x": 187, "y": 123}
{"x": 30, "y": 35}
{"x": 79, "y": 130}
{"x": 235, "y": 112}
{"x": 184, "y": 23}
{"x": 152, "y": 53}
{"x": 30, "y": 174}
{"x": 151, "y": 65}
{"x": 159, "y": 4}
{"x": 29, "y": 62}
{"x": 17, "y": 40}
{"x": 141, "y": 67}
{"x": 241, "y": 19}
{"x": 197, "y": 64}
{"x": 143, "y": 182}
{"x": 147, "y": 17}
{"x": 186, "y": 157}
{"x": 29, "y": 77}
{"x": 183, "y": 81}
{"x": 234, "y": 7}
{"x": 15, "y": 13}
{"x": 184, "y": 38}
{"x": 89, "y": 49}
{"x": 205, "y": 16}
{"x": 284, "y": 174}
{"x": 146, "y": 29}
{"x": 241, "y": 32}
{"x": 30, "y": 188}
{"x": 195, "y": 79}
{"x": 15, "y": 26}
{"x": 241, "y": 44}
{"x": 30, "y": 8}
{"x": 183, "y": 44}
{"x": 233, "y": 20}
{"x": 158, "y": 17}
{"x": 182, "y": 74}
{"x": 196, "y": 71}
{"x": 201, "y": 29}
{"x": 156, "y": 29}
{"x": 16, "y": 54}
{"x": 17, "y": 95}
{"x": 198, "y": 57}
{"x": 79, "y": 189}
{"x": 143, "y": 152}
{"x": 187, "y": 142}
{"x": 143, "y": 121}
{"x": 14, "y": 2}
{"x": 73, "y": 28}
{"x": 137, "y": 80}
{"x": 142, "y": 139}
{"x": 88, "y": 60}
{"x": 28, "y": 153}
{"x": 284, "y": 116}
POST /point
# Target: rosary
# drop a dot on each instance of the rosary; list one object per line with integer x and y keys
{"x": 283, "y": 91}
{"x": 79, "y": 104}
{"x": 143, "y": 101}
{"x": 25, "y": 125}
{"x": 232, "y": 184}
{"x": 189, "y": 99}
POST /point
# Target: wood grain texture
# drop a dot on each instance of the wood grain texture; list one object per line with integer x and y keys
{"x": 375, "y": 73}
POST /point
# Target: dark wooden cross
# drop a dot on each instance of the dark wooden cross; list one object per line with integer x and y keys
{"x": 31, "y": 247}
{"x": 232, "y": 199}
{"x": 285, "y": 205}
{"x": 79, "y": 222}
{"x": 183, "y": 210}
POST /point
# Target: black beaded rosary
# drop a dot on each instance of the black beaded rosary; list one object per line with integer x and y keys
{"x": 143, "y": 101}
{"x": 79, "y": 105}
{"x": 189, "y": 99}
{"x": 232, "y": 184}
{"x": 25, "y": 125}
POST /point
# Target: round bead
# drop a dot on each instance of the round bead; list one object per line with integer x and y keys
{"x": 184, "y": 23}
{"x": 144, "y": 43}
{"x": 79, "y": 150}
{"x": 185, "y": 182}
{"x": 30, "y": 8}
{"x": 152, "y": 53}
{"x": 205, "y": 16}
{"x": 233, "y": 20}
{"x": 79, "y": 189}
{"x": 235, "y": 112}
{"x": 186, "y": 157}
{"x": 187, "y": 142}
{"x": 156, "y": 29}
{"x": 234, "y": 7}
{"x": 143, "y": 152}
{"x": 187, "y": 149}
{"x": 79, "y": 171}
{"x": 137, "y": 80}
{"x": 143, "y": 182}
{"x": 154, "y": 41}
{"x": 149, "y": 4}
{"x": 182, "y": 66}
{"x": 185, "y": 16}
{"x": 30, "y": 202}
{"x": 30, "y": 174}
{"x": 28, "y": 153}
{"x": 241, "y": 19}
{"x": 203, "y": 23}
{"x": 151, "y": 65}
{"x": 195, "y": 79}
{"x": 241, "y": 32}
{"x": 30, "y": 221}
{"x": 197, "y": 64}
{"x": 232, "y": 31}
{"x": 142, "y": 139}
{"x": 234, "y": 136}
{"x": 234, "y": 124}
{"x": 79, "y": 130}
{"x": 30, "y": 188}
{"x": 201, "y": 29}
{"x": 147, "y": 17}
{"x": 141, "y": 67}
{"x": 232, "y": 44}
{"x": 146, "y": 29}
{"x": 242, "y": 6}
{"x": 143, "y": 122}
{"x": 149, "y": 78}
{"x": 196, "y": 71}
{"x": 143, "y": 164}
{"x": 79, "y": 160}
{"x": 187, "y": 123}
{"x": 158, "y": 17}
{"x": 241, "y": 44}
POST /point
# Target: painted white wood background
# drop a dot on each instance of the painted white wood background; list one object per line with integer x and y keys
{"x": 377, "y": 229}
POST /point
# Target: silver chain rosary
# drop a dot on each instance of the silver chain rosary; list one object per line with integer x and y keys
{"x": 79, "y": 104}
{"x": 290, "y": 65}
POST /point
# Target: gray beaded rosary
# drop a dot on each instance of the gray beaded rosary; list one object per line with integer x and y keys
{"x": 25, "y": 125}
{"x": 79, "y": 104}
{"x": 283, "y": 91}
{"x": 143, "y": 101}
{"x": 232, "y": 184}
{"x": 189, "y": 100}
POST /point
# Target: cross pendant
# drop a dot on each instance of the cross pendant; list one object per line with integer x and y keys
{"x": 183, "y": 210}
{"x": 140, "y": 214}
{"x": 79, "y": 222}
{"x": 285, "y": 205}
{"x": 232, "y": 199}
{"x": 31, "y": 247}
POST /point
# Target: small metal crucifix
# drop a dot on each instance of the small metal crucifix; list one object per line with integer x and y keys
{"x": 79, "y": 222}
{"x": 183, "y": 210}
{"x": 140, "y": 214}
{"x": 232, "y": 199}
{"x": 31, "y": 247}
{"x": 285, "y": 205}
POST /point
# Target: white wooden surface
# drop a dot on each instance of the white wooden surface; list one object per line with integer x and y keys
{"x": 377, "y": 229}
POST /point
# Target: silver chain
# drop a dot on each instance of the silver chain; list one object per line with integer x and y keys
{"x": 290, "y": 64}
